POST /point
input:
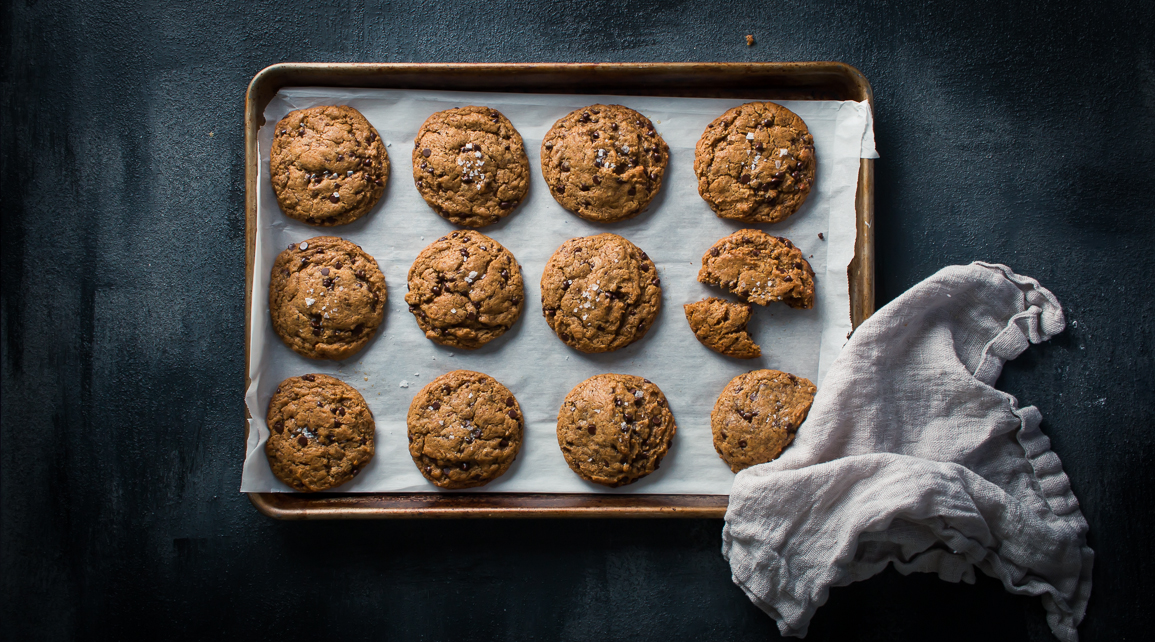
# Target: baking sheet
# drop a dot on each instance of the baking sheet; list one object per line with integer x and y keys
{"x": 529, "y": 359}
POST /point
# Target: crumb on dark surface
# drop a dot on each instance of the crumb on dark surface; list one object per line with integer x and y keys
{"x": 749, "y": 41}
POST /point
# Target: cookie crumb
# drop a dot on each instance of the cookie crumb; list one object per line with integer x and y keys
{"x": 749, "y": 41}
{"x": 820, "y": 237}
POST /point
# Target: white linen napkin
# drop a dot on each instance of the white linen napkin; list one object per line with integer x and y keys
{"x": 910, "y": 457}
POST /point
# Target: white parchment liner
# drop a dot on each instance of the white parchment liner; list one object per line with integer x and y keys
{"x": 529, "y": 359}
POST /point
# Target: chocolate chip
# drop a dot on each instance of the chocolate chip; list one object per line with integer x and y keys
{"x": 597, "y": 180}
{"x": 656, "y": 281}
{"x": 512, "y": 414}
{"x": 744, "y": 179}
{"x": 820, "y": 237}
{"x": 303, "y": 441}
{"x": 633, "y": 190}
{"x": 758, "y": 147}
{"x": 504, "y": 273}
{"x": 472, "y": 316}
{"x": 324, "y": 271}
{"x": 476, "y": 433}
{"x": 787, "y": 278}
{"x": 549, "y": 147}
{"x": 657, "y": 421}
{"x": 645, "y": 267}
{"x": 505, "y": 205}
{"x": 504, "y": 443}
{"x": 327, "y": 283}
{"x": 340, "y": 412}
{"x": 437, "y": 289}
{"x": 464, "y": 465}
{"x": 592, "y": 430}
{"x": 426, "y": 152}
{"x": 279, "y": 427}
{"x": 464, "y": 253}
{"x": 713, "y": 251}
{"x": 436, "y": 405}
{"x": 565, "y": 166}
{"x": 360, "y": 274}
{"x": 560, "y": 188}
{"x": 755, "y": 252}
{"x": 585, "y": 117}
{"x": 292, "y": 245}
{"x": 647, "y": 381}
{"x": 565, "y": 284}
{"x": 564, "y": 336}
{"x": 309, "y": 377}
{"x": 742, "y": 443}
{"x": 653, "y": 176}
{"x": 594, "y": 135}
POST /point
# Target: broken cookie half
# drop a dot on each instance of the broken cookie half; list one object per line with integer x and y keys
{"x": 759, "y": 268}
{"x": 721, "y": 326}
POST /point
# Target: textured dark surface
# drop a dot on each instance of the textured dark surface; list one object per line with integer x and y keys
{"x": 1009, "y": 132}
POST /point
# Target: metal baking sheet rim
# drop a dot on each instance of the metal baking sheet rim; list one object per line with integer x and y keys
{"x": 781, "y": 80}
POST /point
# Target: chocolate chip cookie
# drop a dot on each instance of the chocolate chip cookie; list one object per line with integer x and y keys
{"x": 721, "y": 326}
{"x": 326, "y": 297}
{"x": 757, "y": 414}
{"x": 759, "y": 268}
{"x": 755, "y": 163}
{"x": 328, "y": 165}
{"x": 465, "y": 290}
{"x": 604, "y": 162}
{"x": 600, "y": 293}
{"x": 614, "y": 429}
{"x": 469, "y": 164}
{"x": 320, "y": 432}
{"x": 465, "y": 429}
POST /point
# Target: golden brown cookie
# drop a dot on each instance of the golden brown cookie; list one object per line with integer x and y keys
{"x": 757, "y": 414}
{"x": 759, "y": 268}
{"x": 614, "y": 429}
{"x": 721, "y": 326}
{"x": 326, "y": 297}
{"x": 465, "y": 429}
{"x": 465, "y": 290}
{"x": 469, "y": 164}
{"x": 604, "y": 162}
{"x": 755, "y": 163}
{"x": 600, "y": 293}
{"x": 328, "y": 165}
{"x": 320, "y": 432}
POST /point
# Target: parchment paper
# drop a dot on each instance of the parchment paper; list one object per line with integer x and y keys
{"x": 529, "y": 359}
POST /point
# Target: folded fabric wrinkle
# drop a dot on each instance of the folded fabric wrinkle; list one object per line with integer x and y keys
{"x": 911, "y": 457}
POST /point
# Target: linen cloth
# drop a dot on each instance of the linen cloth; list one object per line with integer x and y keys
{"x": 910, "y": 457}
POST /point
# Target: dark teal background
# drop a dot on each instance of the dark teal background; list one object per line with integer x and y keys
{"x": 1013, "y": 132}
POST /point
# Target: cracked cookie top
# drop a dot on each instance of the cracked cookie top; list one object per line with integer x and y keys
{"x": 604, "y": 162}
{"x": 328, "y": 166}
{"x": 469, "y": 164}
{"x": 755, "y": 163}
